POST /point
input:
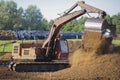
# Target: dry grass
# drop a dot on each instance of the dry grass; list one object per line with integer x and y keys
{"x": 6, "y": 56}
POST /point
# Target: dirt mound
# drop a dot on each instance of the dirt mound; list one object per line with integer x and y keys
{"x": 93, "y": 41}
{"x": 7, "y": 35}
{"x": 74, "y": 45}
{"x": 91, "y": 66}
{"x": 91, "y": 60}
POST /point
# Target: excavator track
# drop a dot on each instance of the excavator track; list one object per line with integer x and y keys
{"x": 37, "y": 66}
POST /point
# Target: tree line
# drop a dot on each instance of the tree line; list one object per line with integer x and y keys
{"x": 13, "y": 17}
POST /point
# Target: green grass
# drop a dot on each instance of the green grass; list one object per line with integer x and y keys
{"x": 116, "y": 42}
{"x": 5, "y": 48}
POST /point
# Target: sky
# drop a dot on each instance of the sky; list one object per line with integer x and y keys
{"x": 51, "y": 8}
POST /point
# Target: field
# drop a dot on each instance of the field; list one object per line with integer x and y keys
{"x": 84, "y": 66}
{"x": 8, "y": 47}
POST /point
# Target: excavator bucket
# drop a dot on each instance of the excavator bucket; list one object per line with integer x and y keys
{"x": 95, "y": 25}
{"x": 100, "y": 25}
{"x": 98, "y": 36}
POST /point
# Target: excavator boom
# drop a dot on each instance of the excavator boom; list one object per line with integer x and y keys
{"x": 59, "y": 22}
{"x": 88, "y": 8}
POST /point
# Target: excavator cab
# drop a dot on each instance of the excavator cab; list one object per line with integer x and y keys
{"x": 62, "y": 50}
{"x": 58, "y": 50}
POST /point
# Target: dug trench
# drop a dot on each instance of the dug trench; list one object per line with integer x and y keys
{"x": 89, "y": 61}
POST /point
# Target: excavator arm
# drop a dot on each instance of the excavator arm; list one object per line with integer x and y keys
{"x": 88, "y": 8}
{"x": 48, "y": 45}
{"x": 59, "y": 22}
{"x": 66, "y": 17}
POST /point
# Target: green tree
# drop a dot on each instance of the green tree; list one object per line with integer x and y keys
{"x": 18, "y": 23}
{"x": 109, "y": 19}
{"x": 33, "y": 18}
{"x": 14, "y": 18}
{"x": 45, "y": 25}
{"x": 48, "y": 24}
{"x": 12, "y": 13}
{"x": 75, "y": 25}
{"x": 116, "y": 21}
{"x": 4, "y": 17}
{"x": 9, "y": 15}
{"x": 81, "y": 23}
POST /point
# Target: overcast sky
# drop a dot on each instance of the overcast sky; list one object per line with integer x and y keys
{"x": 50, "y": 8}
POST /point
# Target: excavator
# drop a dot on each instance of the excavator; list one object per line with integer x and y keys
{"x": 53, "y": 53}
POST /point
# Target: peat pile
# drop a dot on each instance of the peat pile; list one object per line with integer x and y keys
{"x": 73, "y": 45}
{"x": 94, "y": 42}
{"x": 88, "y": 66}
{"x": 92, "y": 61}
{"x": 7, "y": 35}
